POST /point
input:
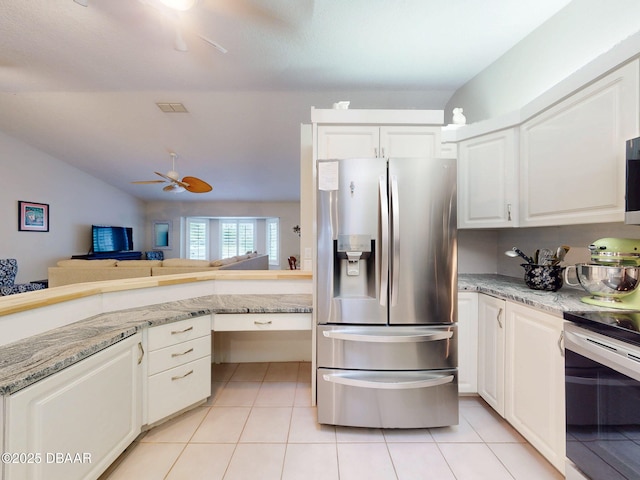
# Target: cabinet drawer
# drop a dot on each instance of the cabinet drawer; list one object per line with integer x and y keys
{"x": 179, "y": 354}
{"x": 235, "y": 322}
{"x": 172, "y": 390}
{"x": 172, "y": 333}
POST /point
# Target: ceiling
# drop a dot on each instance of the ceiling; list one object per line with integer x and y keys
{"x": 81, "y": 83}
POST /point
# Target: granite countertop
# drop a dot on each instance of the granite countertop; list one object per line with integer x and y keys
{"x": 511, "y": 288}
{"x": 26, "y": 361}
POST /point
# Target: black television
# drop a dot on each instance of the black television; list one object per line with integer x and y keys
{"x": 111, "y": 239}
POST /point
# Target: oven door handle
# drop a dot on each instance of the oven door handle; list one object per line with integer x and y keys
{"x": 620, "y": 357}
{"x": 351, "y": 380}
{"x": 365, "y": 336}
{"x": 593, "y": 345}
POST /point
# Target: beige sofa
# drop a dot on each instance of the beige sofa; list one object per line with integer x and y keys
{"x": 80, "y": 271}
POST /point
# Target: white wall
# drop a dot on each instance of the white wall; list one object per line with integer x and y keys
{"x": 579, "y": 33}
{"x": 76, "y": 200}
{"x": 287, "y": 212}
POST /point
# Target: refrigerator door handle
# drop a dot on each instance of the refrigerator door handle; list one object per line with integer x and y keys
{"x": 384, "y": 253}
{"x": 365, "y": 336}
{"x": 351, "y": 380}
{"x": 395, "y": 223}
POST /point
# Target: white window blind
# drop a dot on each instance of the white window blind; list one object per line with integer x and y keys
{"x": 236, "y": 237}
{"x": 273, "y": 247}
{"x": 198, "y": 239}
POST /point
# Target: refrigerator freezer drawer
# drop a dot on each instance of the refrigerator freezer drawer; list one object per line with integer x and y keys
{"x": 387, "y": 348}
{"x": 374, "y": 399}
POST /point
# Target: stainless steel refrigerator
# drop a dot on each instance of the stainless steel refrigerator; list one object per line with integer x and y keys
{"x": 386, "y": 299}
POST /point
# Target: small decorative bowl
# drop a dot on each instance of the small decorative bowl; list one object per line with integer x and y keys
{"x": 543, "y": 277}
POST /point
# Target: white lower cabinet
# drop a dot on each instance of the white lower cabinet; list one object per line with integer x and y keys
{"x": 491, "y": 338}
{"x": 521, "y": 372}
{"x": 178, "y": 367}
{"x": 534, "y": 380}
{"x": 467, "y": 342}
{"x": 74, "y": 424}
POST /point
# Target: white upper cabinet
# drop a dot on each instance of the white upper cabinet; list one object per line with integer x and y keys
{"x": 352, "y": 141}
{"x": 410, "y": 141}
{"x": 487, "y": 181}
{"x": 572, "y": 155}
{"x": 362, "y": 141}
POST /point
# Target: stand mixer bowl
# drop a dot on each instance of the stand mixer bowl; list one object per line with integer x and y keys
{"x": 606, "y": 283}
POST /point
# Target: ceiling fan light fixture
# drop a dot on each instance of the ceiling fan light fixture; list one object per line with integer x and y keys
{"x": 173, "y": 188}
{"x": 181, "y": 5}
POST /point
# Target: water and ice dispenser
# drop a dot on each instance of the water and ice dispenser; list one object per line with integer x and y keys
{"x": 354, "y": 266}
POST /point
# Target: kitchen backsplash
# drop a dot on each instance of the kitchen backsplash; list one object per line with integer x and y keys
{"x": 482, "y": 251}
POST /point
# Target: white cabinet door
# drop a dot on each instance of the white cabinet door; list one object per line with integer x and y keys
{"x": 534, "y": 377}
{"x": 410, "y": 142}
{"x": 90, "y": 411}
{"x": 355, "y": 141}
{"x": 491, "y": 337}
{"x": 487, "y": 181}
{"x": 573, "y": 154}
{"x": 467, "y": 342}
{"x": 361, "y": 141}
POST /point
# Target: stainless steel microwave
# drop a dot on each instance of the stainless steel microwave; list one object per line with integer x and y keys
{"x": 632, "y": 198}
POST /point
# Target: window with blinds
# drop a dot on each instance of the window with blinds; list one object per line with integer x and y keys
{"x": 237, "y": 237}
{"x": 197, "y": 238}
{"x": 273, "y": 245}
{"x": 212, "y": 238}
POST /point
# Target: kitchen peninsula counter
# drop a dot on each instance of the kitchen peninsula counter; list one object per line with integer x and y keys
{"x": 26, "y": 361}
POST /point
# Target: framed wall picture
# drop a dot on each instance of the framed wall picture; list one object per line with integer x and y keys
{"x": 162, "y": 235}
{"x": 33, "y": 217}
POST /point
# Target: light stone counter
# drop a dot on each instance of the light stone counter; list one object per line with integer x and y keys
{"x": 511, "y": 288}
{"x": 26, "y": 361}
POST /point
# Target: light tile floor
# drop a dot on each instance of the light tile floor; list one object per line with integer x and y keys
{"x": 259, "y": 425}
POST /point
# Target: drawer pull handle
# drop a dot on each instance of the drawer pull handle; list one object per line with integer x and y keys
{"x": 182, "y": 376}
{"x": 258, "y": 322}
{"x": 181, "y": 354}
{"x": 140, "y": 353}
{"x": 176, "y": 332}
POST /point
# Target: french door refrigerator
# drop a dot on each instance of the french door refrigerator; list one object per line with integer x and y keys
{"x": 386, "y": 299}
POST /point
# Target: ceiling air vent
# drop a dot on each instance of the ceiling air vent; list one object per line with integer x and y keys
{"x": 172, "y": 107}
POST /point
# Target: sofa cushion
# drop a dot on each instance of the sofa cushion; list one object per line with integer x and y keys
{"x": 75, "y": 262}
{"x": 224, "y": 261}
{"x": 184, "y": 262}
{"x": 139, "y": 263}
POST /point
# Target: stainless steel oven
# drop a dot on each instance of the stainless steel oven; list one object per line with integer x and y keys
{"x": 602, "y": 382}
{"x": 632, "y": 194}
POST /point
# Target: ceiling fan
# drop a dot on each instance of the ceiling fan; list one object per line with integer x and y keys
{"x": 172, "y": 10}
{"x": 190, "y": 184}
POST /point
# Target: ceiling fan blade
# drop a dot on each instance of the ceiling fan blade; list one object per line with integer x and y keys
{"x": 143, "y": 182}
{"x": 195, "y": 185}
